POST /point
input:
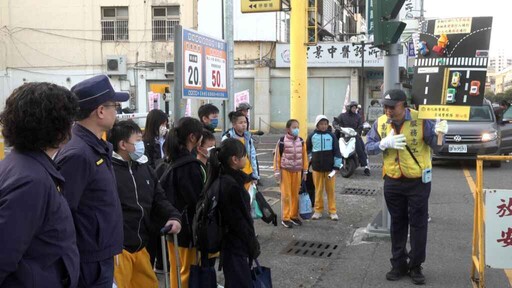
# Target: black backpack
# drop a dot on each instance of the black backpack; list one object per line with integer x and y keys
{"x": 207, "y": 228}
{"x": 164, "y": 172}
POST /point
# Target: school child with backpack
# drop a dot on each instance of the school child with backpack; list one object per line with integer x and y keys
{"x": 182, "y": 182}
{"x": 290, "y": 169}
{"x": 239, "y": 243}
{"x": 324, "y": 152}
{"x": 141, "y": 197}
{"x": 239, "y": 131}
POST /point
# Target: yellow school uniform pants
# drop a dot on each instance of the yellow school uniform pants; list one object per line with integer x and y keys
{"x": 321, "y": 180}
{"x": 133, "y": 270}
{"x": 290, "y": 186}
{"x": 188, "y": 256}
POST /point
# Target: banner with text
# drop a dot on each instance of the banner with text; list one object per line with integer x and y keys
{"x": 337, "y": 55}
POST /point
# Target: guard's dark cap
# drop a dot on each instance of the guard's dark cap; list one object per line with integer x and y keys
{"x": 393, "y": 96}
{"x": 95, "y": 91}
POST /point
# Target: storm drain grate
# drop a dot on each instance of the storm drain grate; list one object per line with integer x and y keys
{"x": 375, "y": 166}
{"x": 312, "y": 249}
{"x": 360, "y": 191}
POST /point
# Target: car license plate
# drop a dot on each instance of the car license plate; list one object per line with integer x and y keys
{"x": 458, "y": 148}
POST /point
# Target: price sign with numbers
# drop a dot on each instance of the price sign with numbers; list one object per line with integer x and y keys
{"x": 203, "y": 61}
{"x": 192, "y": 60}
{"x": 215, "y": 69}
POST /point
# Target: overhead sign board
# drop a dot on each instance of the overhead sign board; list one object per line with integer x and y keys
{"x": 445, "y": 112}
{"x": 336, "y": 55}
{"x": 498, "y": 228}
{"x": 255, "y": 6}
{"x": 451, "y": 63}
{"x": 202, "y": 61}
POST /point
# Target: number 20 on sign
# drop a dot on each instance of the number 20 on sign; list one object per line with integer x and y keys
{"x": 192, "y": 65}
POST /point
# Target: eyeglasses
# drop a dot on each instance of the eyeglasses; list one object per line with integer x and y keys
{"x": 109, "y": 105}
{"x": 129, "y": 143}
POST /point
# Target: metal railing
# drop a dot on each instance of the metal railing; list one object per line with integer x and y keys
{"x": 114, "y": 30}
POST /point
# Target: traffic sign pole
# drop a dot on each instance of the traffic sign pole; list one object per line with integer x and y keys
{"x": 298, "y": 65}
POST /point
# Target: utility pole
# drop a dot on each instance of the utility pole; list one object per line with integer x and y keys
{"x": 387, "y": 32}
{"x": 228, "y": 34}
{"x": 298, "y": 65}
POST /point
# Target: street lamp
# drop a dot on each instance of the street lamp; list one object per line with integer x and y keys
{"x": 361, "y": 40}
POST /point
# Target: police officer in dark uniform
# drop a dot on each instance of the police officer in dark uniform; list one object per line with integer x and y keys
{"x": 406, "y": 142}
{"x": 90, "y": 187}
{"x": 37, "y": 235}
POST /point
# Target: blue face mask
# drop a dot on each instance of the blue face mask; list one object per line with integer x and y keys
{"x": 295, "y": 132}
{"x": 214, "y": 122}
{"x": 139, "y": 151}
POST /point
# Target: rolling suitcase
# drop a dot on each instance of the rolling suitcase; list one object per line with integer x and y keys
{"x": 163, "y": 241}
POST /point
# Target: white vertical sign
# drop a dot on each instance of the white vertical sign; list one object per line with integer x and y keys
{"x": 498, "y": 228}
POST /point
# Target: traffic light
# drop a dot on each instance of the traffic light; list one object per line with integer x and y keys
{"x": 386, "y": 29}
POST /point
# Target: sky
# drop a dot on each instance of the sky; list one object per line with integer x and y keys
{"x": 500, "y": 10}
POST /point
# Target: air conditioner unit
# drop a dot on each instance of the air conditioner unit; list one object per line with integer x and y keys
{"x": 169, "y": 67}
{"x": 116, "y": 65}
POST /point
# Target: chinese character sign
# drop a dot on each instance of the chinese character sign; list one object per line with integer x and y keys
{"x": 498, "y": 228}
{"x": 241, "y": 97}
{"x": 336, "y": 55}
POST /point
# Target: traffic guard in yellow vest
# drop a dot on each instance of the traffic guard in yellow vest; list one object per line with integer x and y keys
{"x": 405, "y": 142}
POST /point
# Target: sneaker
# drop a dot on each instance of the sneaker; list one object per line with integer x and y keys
{"x": 296, "y": 222}
{"x": 396, "y": 273}
{"x": 287, "y": 224}
{"x": 417, "y": 276}
{"x": 334, "y": 217}
{"x": 316, "y": 216}
{"x": 367, "y": 171}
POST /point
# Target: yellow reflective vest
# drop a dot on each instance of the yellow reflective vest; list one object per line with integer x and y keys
{"x": 399, "y": 163}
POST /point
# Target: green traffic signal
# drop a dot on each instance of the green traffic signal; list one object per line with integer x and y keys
{"x": 386, "y": 29}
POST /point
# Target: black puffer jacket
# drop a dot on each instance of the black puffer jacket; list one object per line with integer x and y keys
{"x": 182, "y": 188}
{"x": 142, "y": 198}
{"x": 152, "y": 151}
{"x": 235, "y": 208}
{"x": 352, "y": 120}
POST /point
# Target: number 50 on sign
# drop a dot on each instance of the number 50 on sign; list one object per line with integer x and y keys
{"x": 215, "y": 69}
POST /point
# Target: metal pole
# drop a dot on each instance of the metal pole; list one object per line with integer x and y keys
{"x": 178, "y": 76}
{"x": 298, "y": 65}
{"x": 228, "y": 28}
{"x": 362, "y": 100}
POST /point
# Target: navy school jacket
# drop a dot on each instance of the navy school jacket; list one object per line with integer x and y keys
{"x": 91, "y": 191}
{"x": 37, "y": 235}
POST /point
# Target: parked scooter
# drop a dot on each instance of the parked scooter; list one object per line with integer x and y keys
{"x": 347, "y": 142}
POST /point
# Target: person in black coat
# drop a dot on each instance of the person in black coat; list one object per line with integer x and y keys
{"x": 240, "y": 245}
{"x": 157, "y": 127}
{"x": 183, "y": 187}
{"x": 352, "y": 119}
{"x": 141, "y": 197}
{"x": 36, "y": 226}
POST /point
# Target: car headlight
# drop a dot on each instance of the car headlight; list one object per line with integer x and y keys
{"x": 486, "y": 137}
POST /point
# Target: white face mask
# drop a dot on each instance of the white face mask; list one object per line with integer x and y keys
{"x": 208, "y": 151}
{"x": 162, "y": 131}
{"x": 139, "y": 151}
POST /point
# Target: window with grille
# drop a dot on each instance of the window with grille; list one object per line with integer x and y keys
{"x": 114, "y": 23}
{"x": 165, "y": 20}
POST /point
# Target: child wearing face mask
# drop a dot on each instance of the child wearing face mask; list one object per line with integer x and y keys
{"x": 157, "y": 123}
{"x": 290, "y": 169}
{"x": 204, "y": 150}
{"x": 183, "y": 188}
{"x": 141, "y": 198}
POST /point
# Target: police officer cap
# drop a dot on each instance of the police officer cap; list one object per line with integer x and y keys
{"x": 95, "y": 91}
{"x": 393, "y": 96}
{"x": 243, "y": 106}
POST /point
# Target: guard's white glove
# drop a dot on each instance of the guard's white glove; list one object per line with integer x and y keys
{"x": 441, "y": 127}
{"x": 393, "y": 141}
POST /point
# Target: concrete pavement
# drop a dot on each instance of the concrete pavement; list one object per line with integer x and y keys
{"x": 356, "y": 263}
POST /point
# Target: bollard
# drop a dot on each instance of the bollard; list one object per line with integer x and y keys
{"x": 2, "y": 147}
